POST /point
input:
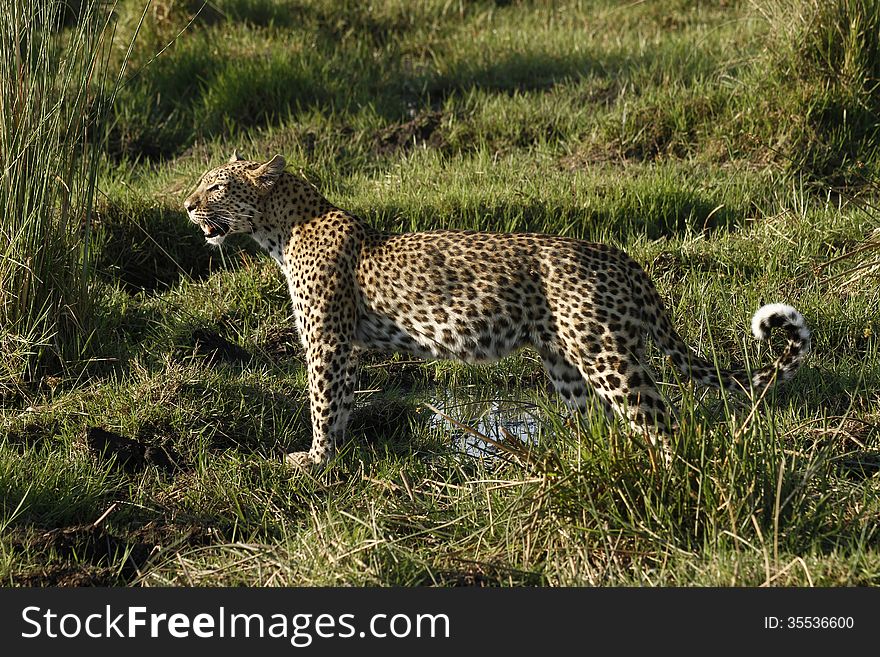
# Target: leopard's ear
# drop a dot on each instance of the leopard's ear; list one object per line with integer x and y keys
{"x": 266, "y": 174}
{"x": 236, "y": 157}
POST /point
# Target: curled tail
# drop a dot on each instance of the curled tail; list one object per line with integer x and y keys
{"x": 768, "y": 317}
{"x": 780, "y": 315}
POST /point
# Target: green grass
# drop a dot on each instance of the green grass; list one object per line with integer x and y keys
{"x": 46, "y": 187}
{"x": 705, "y": 138}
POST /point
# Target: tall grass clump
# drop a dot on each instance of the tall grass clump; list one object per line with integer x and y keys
{"x": 840, "y": 44}
{"x": 826, "y": 53}
{"x": 55, "y": 88}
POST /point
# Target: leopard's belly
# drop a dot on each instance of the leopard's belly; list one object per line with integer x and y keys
{"x": 475, "y": 341}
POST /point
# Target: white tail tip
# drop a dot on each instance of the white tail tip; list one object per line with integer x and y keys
{"x": 762, "y": 320}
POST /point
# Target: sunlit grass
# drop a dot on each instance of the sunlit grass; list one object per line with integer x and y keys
{"x": 670, "y": 129}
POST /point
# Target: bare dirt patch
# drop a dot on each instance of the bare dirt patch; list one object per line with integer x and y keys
{"x": 130, "y": 454}
{"x": 422, "y": 129}
{"x": 213, "y": 347}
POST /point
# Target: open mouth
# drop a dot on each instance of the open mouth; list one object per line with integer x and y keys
{"x": 212, "y": 230}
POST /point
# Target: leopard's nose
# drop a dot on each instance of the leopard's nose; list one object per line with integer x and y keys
{"x": 188, "y": 205}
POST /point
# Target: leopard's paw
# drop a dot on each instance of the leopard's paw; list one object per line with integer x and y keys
{"x": 300, "y": 461}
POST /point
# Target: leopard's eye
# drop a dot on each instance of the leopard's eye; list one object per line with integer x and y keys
{"x": 216, "y": 187}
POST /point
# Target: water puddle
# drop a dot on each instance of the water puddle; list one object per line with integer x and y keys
{"x": 496, "y": 419}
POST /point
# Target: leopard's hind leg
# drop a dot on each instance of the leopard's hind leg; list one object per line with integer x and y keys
{"x": 613, "y": 366}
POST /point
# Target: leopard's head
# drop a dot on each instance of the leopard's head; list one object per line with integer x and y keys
{"x": 227, "y": 199}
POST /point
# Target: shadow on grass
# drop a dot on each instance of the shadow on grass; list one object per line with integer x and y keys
{"x": 353, "y": 59}
{"x": 153, "y": 249}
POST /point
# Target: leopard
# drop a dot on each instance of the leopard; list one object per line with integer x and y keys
{"x": 587, "y": 309}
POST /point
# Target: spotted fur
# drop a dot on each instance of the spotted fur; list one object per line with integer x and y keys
{"x": 464, "y": 295}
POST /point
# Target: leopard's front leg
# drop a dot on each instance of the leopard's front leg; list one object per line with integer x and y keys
{"x": 332, "y": 364}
